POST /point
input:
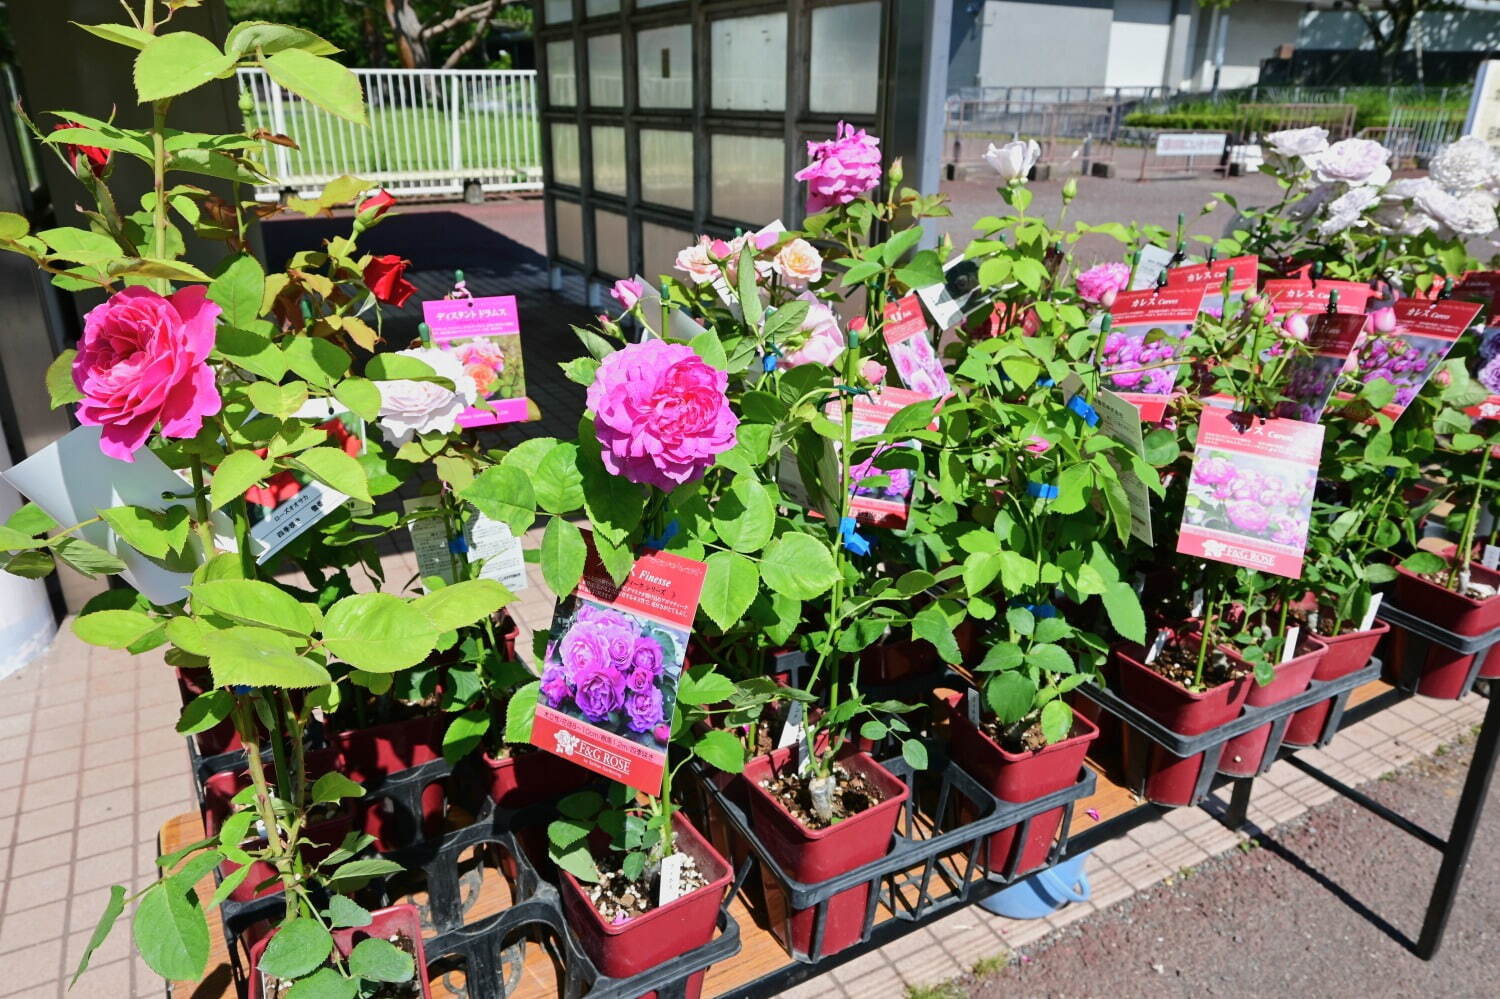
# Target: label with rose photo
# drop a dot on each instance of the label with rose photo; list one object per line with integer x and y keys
{"x": 1210, "y": 277}
{"x": 917, "y": 364}
{"x": 1141, "y": 359}
{"x": 1408, "y": 354}
{"x": 1311, "y": 377}
{"x": 1290, "y": 296}
{"x": 1484, "y": 287}
{"x": 613, "y": 661}
{"x": 485, "y": 335}
{"x": 1251, "y": 491}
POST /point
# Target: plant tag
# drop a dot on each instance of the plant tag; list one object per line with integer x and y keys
{"x": 487, "y": 544}
{"x": 671, "y": 878}
{"x": 971, "y": 703}
{"x": 911, "y": 350}
{"x": 1157, "y": 644}
{"x": 791, "y": 732}
{"x": 1369, "y": 619}
{"x": 1154, "y": 259}
{"x": 1197, "y": 609}
{"x": 1137, "y": 316}
{"x": 1289, "y": 648}
{"x": 1121, "y": 422}
{"x": 1491, "y": 557}
{"x": 484, "y": 336}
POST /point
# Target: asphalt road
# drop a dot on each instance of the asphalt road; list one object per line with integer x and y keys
{"x": 1324, "y": 906}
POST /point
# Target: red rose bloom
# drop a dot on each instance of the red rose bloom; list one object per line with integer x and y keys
{"x": 385, "y": 276}
{"x": 379, "y": 203}
{"x": 97, "y": 159}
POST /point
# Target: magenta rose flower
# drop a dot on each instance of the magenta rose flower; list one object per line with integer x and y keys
{"x": 1215, "y": 471}
{"x": 662, "y": 732}
{"x": 1248, "y": 515}
{"x": 580, "y": 649}
{"x": 644, "y": 709}
{"x": 647, "y": 656}
{"x": 598, "y": 690}
{"x": 619, "y": 642}
{"x": 640, "y": 680}
{"x": 842, "y": 168}
{"x": 661, "y": 414}
{"x": 142, "y": 361}
{"x": 1097, "y": 282}
{"x": 555, "y": 686}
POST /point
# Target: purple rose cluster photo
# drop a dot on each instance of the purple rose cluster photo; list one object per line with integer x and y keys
{"x": 1233, "y": 493}
{"x": 1128, "y": 353}
{"x": 614, "y": 671}
{"x": 1402, "y": 361}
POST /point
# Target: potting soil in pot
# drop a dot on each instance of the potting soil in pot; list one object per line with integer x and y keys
{"x": 275, "y": 988}
{"x": 852, "y": 794}
{"x": 1178, "y": 662}
{"x": 618, "y": 898}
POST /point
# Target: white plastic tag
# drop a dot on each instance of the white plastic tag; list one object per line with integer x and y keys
{"x": 1289, "y": 648}
{"x": 791, "y": 732}
{"x": 1369, "y": 619}
{"x": 1157, "y": 644}
{"x": 971, "y": 704}
{"x": 1491, "y": 557}
{"x": 671, "y": 878}
{"x": 1197, "y": 610}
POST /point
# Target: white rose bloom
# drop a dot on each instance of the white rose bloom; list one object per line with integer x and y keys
{"x": 409, "y": 407}
{"x": 1345, "y": 211}
{"x": 1356, "y": 162}
{"x": 1294, "y": 142}
{"x": 1463, "y": 166}
{"x": 1469, "y": 216}
{"x": 1014, "y": 160}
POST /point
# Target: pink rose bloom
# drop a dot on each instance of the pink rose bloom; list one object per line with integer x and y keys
{"x": 872, "y": 371}
{"x": 661, "y": 414}
{"x": 1381, "y": 320}
{"x": 1214, "y": 471}
{"x": 1295, "y": 327}
{"x": 1248, "y": 515}
{"x": 143, "y": 361}
{"x": 695, "y": 262}
{"x": 842, "y": 168}
{"x": 1104, "y": 279}
{"x": 798, "y": 263}
{"x": 825, "y": 341}
{"x": 627, "y": 291}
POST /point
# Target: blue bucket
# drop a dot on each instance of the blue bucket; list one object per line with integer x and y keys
{"x": 1043, "y": 893}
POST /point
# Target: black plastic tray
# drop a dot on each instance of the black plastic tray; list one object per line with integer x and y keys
{"x": 1421, "y": 634}
{"x": 913, "y": 862}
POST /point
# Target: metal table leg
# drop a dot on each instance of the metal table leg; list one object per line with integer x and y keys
{"x": 1465, "y": 824}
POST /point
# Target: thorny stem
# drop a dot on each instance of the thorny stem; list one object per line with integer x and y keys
{"x": 244, "y": 721}
{"x": 1459, "y": 569}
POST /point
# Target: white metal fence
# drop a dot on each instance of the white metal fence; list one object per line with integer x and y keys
{"x": 1416, "y": 134}
{"x": 430, "y": 132}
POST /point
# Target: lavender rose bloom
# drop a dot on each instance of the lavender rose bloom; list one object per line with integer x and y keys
{"x": 644, "y": 709}
{"x": 619, "y": 641}
{"x": 582, "y": 648}
{"x": 555, "y": 686}
{"x": 600, "y": 690}
{"x": 647, "y": 656}
{"x": 640, "y": 680}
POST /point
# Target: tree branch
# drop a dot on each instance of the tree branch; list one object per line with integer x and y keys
{"x": 461, "y": 16}
{"x": 481, "y": 25}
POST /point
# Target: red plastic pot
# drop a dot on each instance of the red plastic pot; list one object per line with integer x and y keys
{"x": 532, "y": 777}
{"x": 1019, "y": 778}
{"x": 1242, "y": 755}
{"x": 813, "y": 855}
{"x": 643, "y": 942}
{"x": 381, "y": 751}
{"x": 319, "y": 839}
{"x": 1171, "y": 780}
{"x": 384, "y": 924}
{"x": 1445, "y": 673}
{"x": 896, "y": 659}
{"x": 1343, "y": 654}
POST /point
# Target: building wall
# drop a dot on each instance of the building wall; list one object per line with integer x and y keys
{"x": 1255, "y": 31}
{"x": 1441, "y": 31}
{"x": 1140, "y": 44}
{"x": 1043, "y": 43}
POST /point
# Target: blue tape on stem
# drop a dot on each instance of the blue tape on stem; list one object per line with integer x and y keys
{"x": 856, "y": 543}
{"x": 242, "y": 689}
{"x": 1037, "y": 610}
{"x": 1041, "y": 490}
{"x": 1089, "y": 413}
{"x": 1045, "y": 382}
{"x": 663, "y": 539}
{"x": 458, "y": 545}
{"x": 768, "y": 363}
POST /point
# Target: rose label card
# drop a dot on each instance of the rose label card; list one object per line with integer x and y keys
{"x": 1251, "y": 490}
{"x": 1122, "y": 422}
{"x": 485, "y": 335}
{"x": 1210, "y": 277}
{"x": 882, "y": 496}
{"x": 1309, "y": 298}
{"x": 1407, "y": 356}
{"x": 1141, "y": 352}
{"x": 1311, "y": 377}
{"x": 948, "y": 303}
{"x": 912, "y": 353}
{"x": 289, "y": 503}
{"x": 1148, "y": 268}
{"x": 485, "y": 544}
{"x": 1484, "y": 287}
{"x": 613, "y": 662}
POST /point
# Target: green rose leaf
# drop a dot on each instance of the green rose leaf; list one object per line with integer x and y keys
{"x": 932, "y": 624}
{"x": 1057, "y": 721}
{"x": 503, "y": 492}
{"x": 729, "y": 587}
{"x": 1010, "y": 695}
{"x": 334, "y": 468}
{"x": 204, "y": 712}
{"x": 745, "y": 515}
{"x": 345, "y": 913}
{"x": 360, "y": 395}
{"x": 150, "y": 532}
{"x": 86, "y": 557}
{"x": 721, "y": 751}
{"x": 250, "y": 36}
{"x": 176, "y": 63}
{"x": 297, "y": 947}
{"x": 239, "y": 290}
{"x": 798, "y": 566}
{"x": 253, "y": 601}
{"x": 705, "y": 688}
{"x": 325, "y": 983}
{"x": 61, "y": 388}
{"x": 520, "y": 711}
{"x": 259, "y": 657}
{"x": 379, "y": 960}
{"x": 335, "y": 786}
{"x": 113, "y": 629}
{"x": 462, "y": 604}
{"x": 1124, "y": 609}
{"x": 1001, "y": 655}
{"x": 358, "y": 873}
{"x": 112, "y": 910}
{"x": 120, "y": 34}
{"x": 319, "y": 80}
{"x": 320, "y": 361}
{"x": 1050, "y": 659}
{"x": 171, "y": 932}
{"x": 613, "y": 504}
{"x": 557, "y": 483}
{"x": 378, "y": 632}
{"x": 563, "y": 554}
{"x": 464, "y": 733}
